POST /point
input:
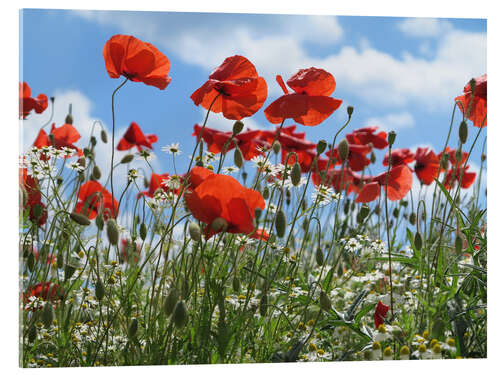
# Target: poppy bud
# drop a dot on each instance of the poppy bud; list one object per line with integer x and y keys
{"x": 417, "y": 241}
{"x": 237, "y": 127}
{"x": 99, "y": 290}
{"x": 132, "y": 328}
{"x": 276, "y": 146}
{"x": 238, "y": 157}
{"x": 180, "y": 315}
{"x": 458, "y": 155}
{"x": 99, "y": 221}
{"x": 373, "y": 158}
{"x": 444, "y": 161}
{"x": 343, "y": 149}
{"x": 104, "y": 136}
{"x": 194, "y": 231}
{"x": 47, "y": 314}
{"x": 265, "y": 192}
{"x": 32, "y": 333}
{"x": 199, "y": 163}
{"x": 258, "y": 213}
{"x": 280, "y": 223}
{"x": 364, "y": 211}
{"x": 391, "y": 137}
{"x": 127, "y": 159}
{"x": 324, "y": 301}
{"x": 79, "y": 218}
{"x": 395, "y": 213}
{"x": 112, "y": 231}
{"x": 472, "y": 84}
{"x": 31, "y": 261}
{"x": 263, "y": 304}
{"x": 219, "y": 224}
{"x": 463, "y": 132}
{"x": 81, "y": 162}
{"x": 321, "y": 146}
{"x": 93, "y": 141}
{"x": 69, "y": 119}
{"x": 143, "y": 231}
{"x": 483, "y": 157}
{"x": 458, "y": 244}
{"x": 96, "y": 172}
{"x": 350, "y": 110}
{"x": 236, "y": 284}
{"x": 296, "y": 174}
{"x": 413, "y": 218}
{"x": 170, "y": 301}
{"x": 185, "y": 288}
{"x": 52, "y": 139}
{"x": 347, "y": 204}
{"x": 320, "y": 259}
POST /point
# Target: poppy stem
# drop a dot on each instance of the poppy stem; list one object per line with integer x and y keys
{"x": 113, "y": 139}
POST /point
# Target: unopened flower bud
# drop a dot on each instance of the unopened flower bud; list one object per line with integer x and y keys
{"x": 132, "y": 328}
{"x": 417, "y": 241}
{"x": 194, "y": 231}
{"x": 104, "y": 136}
{"x": 463, "y": 132}
{"x": 238, "y": 157}
{"x": 236, "y": 284}
{"x": 127, "y": 159}
{"x": 47, "y": 314}
{"x": 69, "y": 119}
{"x": 413, "y": 218}
{"x": 112, "y": 231}
{"x": 93, "y": 141}
{"x": 343, "y": 149}
{"x": 373, "y": 158}
{"x": 364, "y": 211}
{"x": 276, "y": 146}
{"x": 99, "y": 290}
{"x": 96, "y": 172}
{"x": 180, "y": 315}
{"x": 99, "y": 221}
{"x": 143, "y": 231}
{"x": 350, "y": 110}
{"x": 458, "y": 155}
{"x": 237, "y": 127}
{"x": 79, "y": 218}
{"x": 263, "y": 304}
{"x": 280, "y": 223}
{"x": 391, "y": 137}
{"x": 320, "y": 258}
{"x": 296, "y": 174}
{"x": 265, "y": 192}
{"x": 219, "y": 224}
{"x": 324, "y": 301}
{"x": 483, "y": 157}
{"x": 170, "y": 301}
{"x": 321, "y": 146}
{"x": 444, "y": 161}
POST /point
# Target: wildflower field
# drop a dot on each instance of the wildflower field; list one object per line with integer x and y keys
{"x": 268, "y": 247}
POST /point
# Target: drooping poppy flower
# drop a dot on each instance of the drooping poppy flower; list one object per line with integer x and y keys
{"x": 129, "y": 250}
{"x": 357, "y": 159}
{"x": 399, "y": 180}
{"x": 475, "y": 106}
{"x": 454, "y": 175}
{"x": 135, "y": 137}
{"x": 366, "y": 135}
{"x": 64, "y": 136}
{"x": 28, "y": 104}
{"x": 222, "y": 203}
{"x": 125, "y": 55}
{"x": 310, "y": 103}
{"x": 399, "y": 156}
{"x": 155, "y": 183}
{"x": 380, "y": 313}
{"x": 240, "y": 90}
{"x": 94, "y": 198}
{"x": 426, "y": 165}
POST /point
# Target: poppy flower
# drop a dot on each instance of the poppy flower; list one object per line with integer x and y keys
{"x": 478, "y": 105}
{"x": 37, "y": 210}
{"x": 453, "y": 175}
{"x": 399, "y": 180}
{"x": 47, "y": 291}
{"x": 426, "y": 165}
{"x": 380, "y": 313}
{"x": 28, "y": 104}
{"x": 197, "y": 175}
{"x": 260, "y": 234}
{"x": 310, "y": 103}
{"x": 240, "y": 90}
{"x": 222, "y": 203}
{"x": 399, "y": 156}
{"x": 366, "y": 135}
{"x": 135, "y": 137}
{"x": 336, "y": 179}
{"x": 357, "y": 159}
{"x": 125, "y": 55}
{"x": 64, "y": 136}
{"x": 155, "y": 183}
{"x": 94, "y": 198}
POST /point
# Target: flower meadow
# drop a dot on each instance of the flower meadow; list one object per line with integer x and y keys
{"x": 268, "y": 247}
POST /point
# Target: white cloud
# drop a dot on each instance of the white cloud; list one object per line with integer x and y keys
{"x": 392, "y": 121}
{"x": 424, "y": 27}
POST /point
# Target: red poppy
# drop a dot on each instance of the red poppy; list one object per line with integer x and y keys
{"x": 399, "y": 156}
{"x": 310, "y": 103}
{"x": 64, "y": 136}
{"x": 477, "y": 112}
{"x": 241, "y": 91}
{"x": 336, "y": 179}
{"x": 366, "y": 135}
{"x": 27, "y": 103}
{"x": 94, "y": 198}
{"x": 222, "y": 198}
{"x": 154, "y": 184}
{"x": 37, "y": 210}
{"x": 398, "y": 185}
{"x": 136, "y": 60}
{"x": 51, "y": 259}
{"x": 46, "y": 291}
{"x": 357, "y": 158}
{"x": 197, "y": 175}
{"x": 380, "y": 313}
{"x": 451, "y": 156}
{"x": 135, "y": 137}
{"x": 261, "y": 234}
{"x": 453, "y": 175}
{"x": 426, "y": 165}
{"x": 130, "y": 250}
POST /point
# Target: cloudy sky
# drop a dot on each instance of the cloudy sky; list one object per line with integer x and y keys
{"x": 399, "y": 73}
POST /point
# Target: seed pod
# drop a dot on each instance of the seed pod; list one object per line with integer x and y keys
{"x": 99, "y": 290}
{"x": 237, "y": 127}
{"x": 47, "y": 314}
{"x": 96, "y": 172}
{"x": 32, "y": 333}
{"x": 93, "y": 141}
{"x": 79, "y": 218}
{"x": 99, "y": 221}
{"x": 236, "y": 284}
{"x": 324, "y": 301}
{"x": 238, "y": 157}
{"x": 127, "y": 159}
{"x": 350, "y": 110}
{"x": 104, "y": 136}
{"x": 321, "y": 146}
{"x": 463, "y": 132}
{"x": 194, "y": 231}
{"x": 343, "y": 150}
{"x": 320, "y": 259}
{"x": 263, "y": 304}
{"x": 373, "y": 158}
{"x": 417, "y": 241}
{"x": 265, "y": 192}
{"x": 280, "y": 223}
{"x": 296, "y": 174}
{"x": 112, "y": 231}
{"x": 143, "y": 231}
{"x": 170, "y": 301}
{"x": 391, "y": 137}
{"x": 132, "y": 328}
{"x": 413, "y": 218}
{"x": 276, "y": 146}
{"x": 180, "y": 315}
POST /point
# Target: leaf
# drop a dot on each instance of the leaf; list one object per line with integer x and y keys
{"x": 364, "y": 310}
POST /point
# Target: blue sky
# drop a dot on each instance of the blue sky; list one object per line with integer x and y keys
{"x": 399, "y": 73}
